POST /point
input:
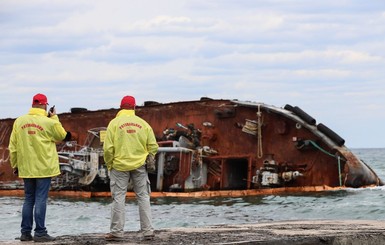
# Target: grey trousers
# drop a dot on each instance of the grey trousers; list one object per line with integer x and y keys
{"x": 118, "y": 184}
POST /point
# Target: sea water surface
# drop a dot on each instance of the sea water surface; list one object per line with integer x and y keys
{"x": 77, "y": 216}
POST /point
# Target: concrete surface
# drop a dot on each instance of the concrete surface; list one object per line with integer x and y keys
{"x": 302, "y": 232}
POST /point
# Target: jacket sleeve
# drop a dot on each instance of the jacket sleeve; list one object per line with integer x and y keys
{"x": 108, "y": 147}
{"x": 152, "y": 145}
{"x": 12, "y": 148}
{"x": 59, "y": 132}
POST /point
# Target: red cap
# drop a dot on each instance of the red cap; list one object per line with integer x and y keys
{"x": 127, "y": 101}
{"x": 39, "y": 99}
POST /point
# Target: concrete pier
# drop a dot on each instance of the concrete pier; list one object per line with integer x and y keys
{"x": 302, "y": 232}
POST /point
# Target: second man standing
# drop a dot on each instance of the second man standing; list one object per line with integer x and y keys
{"x": 129, "y": 141}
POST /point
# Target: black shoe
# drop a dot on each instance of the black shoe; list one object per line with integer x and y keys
{"x": 26, "y": 237}
{"x": 44, "y": 238}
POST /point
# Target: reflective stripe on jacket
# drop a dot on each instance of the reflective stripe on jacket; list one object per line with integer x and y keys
{"x": 129, "y": 139}
{"x": 32, "y": 144}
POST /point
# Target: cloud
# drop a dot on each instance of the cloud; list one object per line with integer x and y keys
{"x": 326, "y": 57}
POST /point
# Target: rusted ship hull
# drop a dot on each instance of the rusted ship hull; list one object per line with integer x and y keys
{"x": 209, "y": 148}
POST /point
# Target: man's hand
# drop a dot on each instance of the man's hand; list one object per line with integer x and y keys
{"x": 150, "y": 162}
{"x": 51, "y": 111}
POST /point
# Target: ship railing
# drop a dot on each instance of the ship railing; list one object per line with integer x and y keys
{"x": 185, "y": 160}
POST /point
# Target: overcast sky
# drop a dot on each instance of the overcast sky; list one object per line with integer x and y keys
{"x": 327, "y": 57}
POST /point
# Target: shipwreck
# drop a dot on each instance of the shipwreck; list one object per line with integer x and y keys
{"x": 208, "y": 147}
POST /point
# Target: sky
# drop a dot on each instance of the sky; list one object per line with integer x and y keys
{"x": 326, "y": 57}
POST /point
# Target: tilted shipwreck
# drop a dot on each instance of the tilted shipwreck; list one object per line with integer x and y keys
{"x": 209, "y": 147}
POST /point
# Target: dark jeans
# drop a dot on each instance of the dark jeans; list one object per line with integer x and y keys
{"x": 35, "y": 205}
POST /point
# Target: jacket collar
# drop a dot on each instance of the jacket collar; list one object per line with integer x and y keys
{"x": 37, "y": 111}
{"x": 125, "y": 112}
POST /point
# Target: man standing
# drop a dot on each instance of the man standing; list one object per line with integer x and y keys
{"x": 128, "y": 143}
{"x": 33, "y": 156}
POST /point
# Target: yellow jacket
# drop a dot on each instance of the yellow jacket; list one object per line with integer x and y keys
{"x": 129, "y": 139}
{"x": 32, "y": 144}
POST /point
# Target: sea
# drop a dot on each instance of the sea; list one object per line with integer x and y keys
{"x": 74, "y": 216}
